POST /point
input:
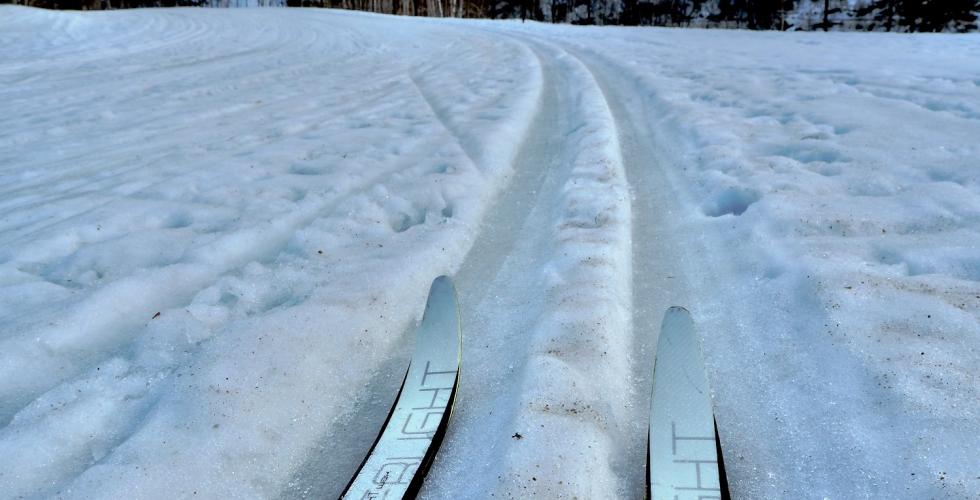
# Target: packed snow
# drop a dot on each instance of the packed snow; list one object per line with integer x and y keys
{"x": 218, "y": 229}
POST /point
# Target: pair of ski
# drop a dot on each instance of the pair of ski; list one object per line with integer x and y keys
{"x": 684, "y": 457}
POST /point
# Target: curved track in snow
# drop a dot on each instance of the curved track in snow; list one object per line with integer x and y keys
{"x": 217, "y": 228}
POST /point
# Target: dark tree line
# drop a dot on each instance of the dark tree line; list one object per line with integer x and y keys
{"x": 920, "y": 16}
{"x": 870, "y": 15}
{"x": 863, "y": 15}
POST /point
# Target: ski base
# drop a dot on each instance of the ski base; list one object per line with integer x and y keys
{"x": 684, "y": 454}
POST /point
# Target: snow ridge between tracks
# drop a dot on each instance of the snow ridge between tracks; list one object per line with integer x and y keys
{"x": 580, "y": 341}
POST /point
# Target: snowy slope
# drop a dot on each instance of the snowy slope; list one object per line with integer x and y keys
{"x": 281, "y": 186}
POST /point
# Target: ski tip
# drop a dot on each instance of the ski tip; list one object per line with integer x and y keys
{"x": 442, "y": 282}
{"x": 442, "y": 307}
{"x": 441, "y": 290}
{"x": 404, "y": 450}
{"x": 677, "y": 319}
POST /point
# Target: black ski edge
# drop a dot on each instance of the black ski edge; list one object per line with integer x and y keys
{"x": 722, "y": 476}
{"x": 430, "y": 453}
{"x": 647, "y": 479}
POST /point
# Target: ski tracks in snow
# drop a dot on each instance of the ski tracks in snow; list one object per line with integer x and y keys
{"x": 547, "y": 288}
{"x": 289, "y": 237}
{"x": 546, "y": 293}
{"x": 211, "y": 299}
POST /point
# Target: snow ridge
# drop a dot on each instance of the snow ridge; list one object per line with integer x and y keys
{"x": 552, "y": 331}
{"x": 815, "y": 234}
{"x": 580, "y": 341}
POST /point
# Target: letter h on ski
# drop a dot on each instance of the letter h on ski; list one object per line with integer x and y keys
{"x": 436, "y": 407}
{"x": 696, "y": 462}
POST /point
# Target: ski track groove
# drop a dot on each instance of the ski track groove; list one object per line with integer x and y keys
{"x": 500, "y": 254}
{"x": 669, "y": 195}
{"x": 545, "y": 194}
{"x": 616, "y": 476}
{"x": 537, "y": 186}
{"x": 478, "y": 268}
{"x": 507, "y": 280}
{"x": 662, "y": 278}
{"x": 81, "y": 351}
{"x": 447, "y": 125}
{"x": 651, "y": 294}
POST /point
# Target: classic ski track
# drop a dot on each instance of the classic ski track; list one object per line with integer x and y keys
{"x": 325, "y": 476}
{"x": 500, "y": 253}
{"x": 79, "y": 181}
{"x": 453, "y": 131}
{"x": 657, "y": 282}
{"x": 490, "y": 282}
{"x": 645, "y": 320}
{"x": 663, "y": 204}
{"x": 490, "y": 302}
{"x": 664, "y": 269}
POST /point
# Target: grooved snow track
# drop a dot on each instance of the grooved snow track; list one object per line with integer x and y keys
{"x": 562, "y": 229}
{"x": 274, "y": 173}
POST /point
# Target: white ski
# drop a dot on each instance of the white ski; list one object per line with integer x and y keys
{"x": 401, "y": 456}
{"x": 684, "y": 457}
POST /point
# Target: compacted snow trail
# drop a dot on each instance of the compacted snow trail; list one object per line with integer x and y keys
{"x": 668, "y": 276}
{"x": 218, "y": 227}
{"x": 730, "y": 296}
{"x": 171, "y": 306}
{"x": 557, "y": 238}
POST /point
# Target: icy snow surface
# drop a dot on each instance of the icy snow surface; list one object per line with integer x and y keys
{"x": 217, "y": 229}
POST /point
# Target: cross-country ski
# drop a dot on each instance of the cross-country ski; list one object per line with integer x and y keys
{"x": 400, "y": 458}
{"x": 684, "y": 452}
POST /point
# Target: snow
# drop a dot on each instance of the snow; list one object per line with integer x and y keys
{"x": 218, "y": 227}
